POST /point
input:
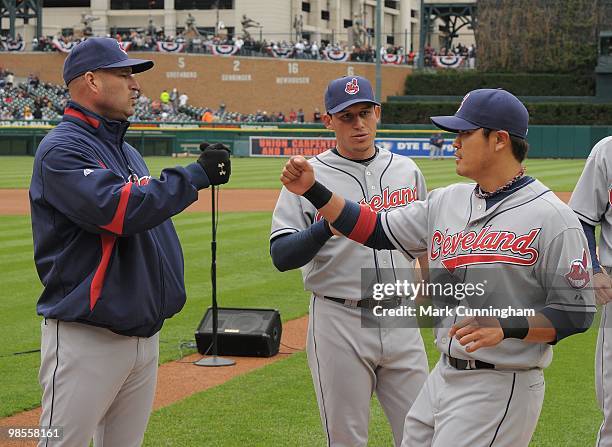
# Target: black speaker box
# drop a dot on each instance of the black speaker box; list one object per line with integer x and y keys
{"x": 241, "y": 332}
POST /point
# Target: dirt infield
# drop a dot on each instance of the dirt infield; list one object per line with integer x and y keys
{"x": 15, "y": 201}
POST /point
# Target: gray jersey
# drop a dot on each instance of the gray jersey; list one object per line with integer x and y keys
{"x": 521, "y": 246}
{"x": 592, "y": 196}
{"x": 388, "y": 181}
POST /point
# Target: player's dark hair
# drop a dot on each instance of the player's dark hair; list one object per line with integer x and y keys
{"x": 519, "y": 145}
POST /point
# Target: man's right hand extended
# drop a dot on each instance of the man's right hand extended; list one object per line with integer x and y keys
{"x": 298, "y": 175}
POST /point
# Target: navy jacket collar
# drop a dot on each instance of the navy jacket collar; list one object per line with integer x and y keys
{"x": 103, "y": 128}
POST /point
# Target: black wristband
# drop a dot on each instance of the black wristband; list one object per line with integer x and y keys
{"x": 318, "y": 195}
{"x": 514, "y": 327}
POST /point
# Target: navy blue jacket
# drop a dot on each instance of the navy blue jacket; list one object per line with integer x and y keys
{"x": 105, "y": 248}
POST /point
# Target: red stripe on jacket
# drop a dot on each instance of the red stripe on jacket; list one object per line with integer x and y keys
{"x": 108, "y": 242}
{"x": 80, "y": 115}
{"x": 116, "y": 225}
{"x": 365, "y": 224}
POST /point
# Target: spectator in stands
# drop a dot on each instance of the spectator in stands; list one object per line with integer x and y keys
{"x": 27, "y": 113}
{"x": 299, "y": 50}
{"x": 316, "y": 116}
{"x": 156, "y": 107}
{"x": 411, "y": 57}
{"x": 5, "y": 114}
{"x": 292, "y": 116}
{"x": 183, "y": 98}
{"x": 174, "y": 98}
{"x": 37, "y": 113}
{"x": 472, "y": 56}
{"x": 239, "y": 43}
{"x": 10, "y": 79}
{"x": 208, "y": 116}
{"x": 280, "y": 117}
{"x": 164, "y": 97}
{"x": 314, "y": 50}
{"x": 300, "y": 116}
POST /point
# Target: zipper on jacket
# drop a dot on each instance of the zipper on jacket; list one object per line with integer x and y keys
{"x": 132, "y": 176}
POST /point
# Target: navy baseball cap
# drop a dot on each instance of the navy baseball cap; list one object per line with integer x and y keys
{"x": 100, "y": 52}
{"x": 490, "y": 108}
{"x": 344, "y": 92}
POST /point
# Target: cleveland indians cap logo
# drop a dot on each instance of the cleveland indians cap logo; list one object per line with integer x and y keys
{"x": 578, "y": 276}
{"x": 352, "y": 88}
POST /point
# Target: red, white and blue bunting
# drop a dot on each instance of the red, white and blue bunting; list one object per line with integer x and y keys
{"x": 126, "y": 45}
{"x": 223, "y": 50}
{"x": 281, "y": 52}
{"x": 64, "y": 47}
{"x": 14, "y": 46}
{"x": 336, "y": 55}
{"x": 450, "y": 61}
{"x": 170, "y": 47}
{"x": 395, "y": 59}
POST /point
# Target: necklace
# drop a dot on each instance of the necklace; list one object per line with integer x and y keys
{"x": 485, "y": 195}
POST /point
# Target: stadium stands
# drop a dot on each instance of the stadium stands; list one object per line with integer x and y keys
{"x": 47, "y": 101}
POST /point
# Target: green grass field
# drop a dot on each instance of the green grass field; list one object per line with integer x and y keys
{"x": 274, "y": 406}
{"x": 559, "y": 175}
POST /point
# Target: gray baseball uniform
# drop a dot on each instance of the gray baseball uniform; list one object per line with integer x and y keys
{"x": 348, "y": 362}
{"x": 529, "y": 245}
{"x": 591, "y": 200}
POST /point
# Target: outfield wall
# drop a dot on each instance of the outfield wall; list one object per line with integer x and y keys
{"x": 308, "y": 139}
{"x": 244, "y": 84}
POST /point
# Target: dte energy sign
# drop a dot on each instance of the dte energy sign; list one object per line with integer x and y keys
{"x": 311, "y": 146}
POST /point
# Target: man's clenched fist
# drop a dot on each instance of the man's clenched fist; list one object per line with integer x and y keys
{"x": 298, "y": 175}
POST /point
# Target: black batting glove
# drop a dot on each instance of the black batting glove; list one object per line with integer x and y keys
{"x": 215, "y": 160}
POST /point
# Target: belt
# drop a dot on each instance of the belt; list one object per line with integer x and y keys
{"x": 368, "y": 303}
{"x": 468, "y": 364}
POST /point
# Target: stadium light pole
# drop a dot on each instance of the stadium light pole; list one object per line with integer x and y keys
{"x": 378, "y": 44}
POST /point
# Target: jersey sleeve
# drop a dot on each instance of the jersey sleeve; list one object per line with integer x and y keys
{"x": 591, "y": 195}
{"x": 100, "y": 201}
{"x": 289, "y": 216}
{"x": 407, "y": 228}
{"x": 566, "y": 273}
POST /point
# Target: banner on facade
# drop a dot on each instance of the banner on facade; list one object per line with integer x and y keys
{"x": 223, "y": 50}
{"x": 395, "y": 59}
{"x": 336, "y": 55}
{"x": 450, "y": 61}
{"x": 170, "y": 47}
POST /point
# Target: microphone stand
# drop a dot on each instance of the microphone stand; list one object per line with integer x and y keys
{"x": 214, "y": 359}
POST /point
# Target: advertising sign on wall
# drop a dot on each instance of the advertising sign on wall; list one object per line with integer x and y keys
{"x": 311, "y": 146}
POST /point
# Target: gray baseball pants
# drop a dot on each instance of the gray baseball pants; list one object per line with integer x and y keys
{"x": 349, "y": 363}
{"x": 96, "y": 384}
{"x": 481, "y": 407}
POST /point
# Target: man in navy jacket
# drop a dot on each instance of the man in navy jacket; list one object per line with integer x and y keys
{"x": 106, "y": 252}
